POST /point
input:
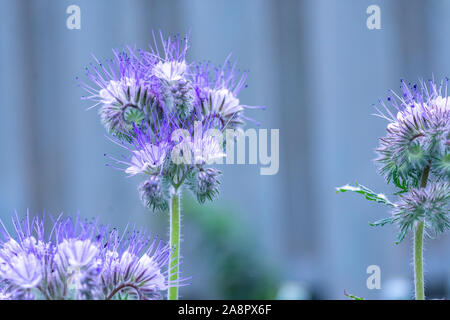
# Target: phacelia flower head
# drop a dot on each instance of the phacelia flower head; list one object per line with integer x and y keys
{"x": 206, "y": 149}
{"x": 154, "y": 193}
{"x": 80, "y": 260}
{"x": 76, "y": 253}
{"x": 137, "y": 264}
{"x": 148, "y": 159}
{"x": 169, "y": 65}
{"x": 170, "y": 71}
{"x": 121, "y": 89}
{"x": 148, "y": 97}
{"x": 166, "y": 64}
{"x": 217, "y": 92}
{"x": 23, "y": 269}
{"x": 418, "y": 134}
{"x": 430, "y": 204}
{"x": 204, "y": 183}
{"x": 148, "y": 150}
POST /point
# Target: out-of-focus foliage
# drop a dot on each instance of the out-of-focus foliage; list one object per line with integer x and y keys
{"x": 229, "y": 247}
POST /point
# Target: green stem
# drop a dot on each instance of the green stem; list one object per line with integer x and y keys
{"x": 175, "y": 219}
{"x": 418, "y": 247}
{"x": 418, "y": 261}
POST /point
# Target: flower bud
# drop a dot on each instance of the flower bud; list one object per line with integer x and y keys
{"x": 441, "y": 167}
{"x": 205, "y": 184}
{"x": 428, "y": 204}
{"x": 154, "y": 194}
{"x": 178, "y": 96}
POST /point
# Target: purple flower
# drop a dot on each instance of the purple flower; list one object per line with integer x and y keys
{"x": 169, "y": 64}
{"x": 150, "y": 158}
{"x": 419, "y": 107}
{"x": 22, "y": 269}
{"x": 430, "y": 204}
{"x": 204, "y": 183}
{"x": 206, "y": 149}
{"x": 170, "y": 71}
{"x": 154, "y": 193}
{"x": 80, "y": 260}
{"x": 418, "y": 134}
{"x": 151, "y": 101}
{"x": 136, "y": 265}
{"x": 120, "y": 88}
{"x": 148, "y": 150}
{"x": 217, "y": 94}
{"x": 76, "y": 253}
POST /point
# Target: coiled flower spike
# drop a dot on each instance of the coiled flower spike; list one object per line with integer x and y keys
{"x": 80, "y": 260}
{"x": 418, "y": 135}
{"x": 217, "y": 90}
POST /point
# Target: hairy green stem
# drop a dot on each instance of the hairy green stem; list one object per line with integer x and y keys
{"x": 175, "y": 219}
{"x": 418, "y": 247}
{"x": 418, "y": 261}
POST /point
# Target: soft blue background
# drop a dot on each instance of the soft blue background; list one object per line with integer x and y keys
{"x": 316, "y": 67}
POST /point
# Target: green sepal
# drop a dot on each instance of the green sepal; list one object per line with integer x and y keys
{"x": 133, "y": 115}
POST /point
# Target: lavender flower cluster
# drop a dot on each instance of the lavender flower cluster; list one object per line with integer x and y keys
{"x": 167, "y": 114}
{"x": 418, "y": 135}
{"x": 80, "y": 260}
{"x": 414, "y": 155}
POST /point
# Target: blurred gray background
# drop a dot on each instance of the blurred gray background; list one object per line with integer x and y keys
{"x": 317, "y": 68}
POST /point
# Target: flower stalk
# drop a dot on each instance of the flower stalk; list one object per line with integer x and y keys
{"x": 418, "y": 247}
{"x": 418, "y": 261}
{"x": 175, "y": 221}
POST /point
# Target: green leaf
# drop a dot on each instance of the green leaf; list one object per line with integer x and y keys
{"x": 382, "y": 222}
{"x": 402, "y": 234}
{"x": 368, "y": 194}
{"x": 352, "y": 296}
